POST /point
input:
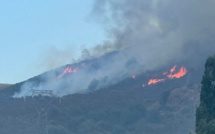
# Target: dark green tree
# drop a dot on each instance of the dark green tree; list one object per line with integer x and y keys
{"x": 205, "y": 113}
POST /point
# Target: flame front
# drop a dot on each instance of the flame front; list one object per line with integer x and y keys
{"x": 67, "y": 70}
{"x": 173, "y": 69}
{"x": 154, "y": 81}
{"x": 182, "y": 72}
{"x": 171, "y": 74}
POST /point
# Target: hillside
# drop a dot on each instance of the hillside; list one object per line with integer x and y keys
{"x": 2, "y": 86}
{"x": 130, "y": 112}
{"x": 127, "y": 107}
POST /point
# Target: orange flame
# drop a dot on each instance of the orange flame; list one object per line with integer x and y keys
{"x": 182, "y": 72}
{"x": 173, "y": 69}
{"x": 171, "y": 75}
{"x": 67, "y": 70}
{"x": 154, "y": 81}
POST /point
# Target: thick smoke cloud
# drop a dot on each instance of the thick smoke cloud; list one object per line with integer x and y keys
{"x": 159, "y": 30}
{"x": 148, "y": 33}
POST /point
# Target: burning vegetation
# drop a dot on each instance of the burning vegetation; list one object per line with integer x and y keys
{"x": 173, "y": 73}
{"x": 67, "y": 71}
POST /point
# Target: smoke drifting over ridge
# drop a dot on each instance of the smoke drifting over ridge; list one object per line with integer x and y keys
{"x": 147, "y": 33}
{"x": 159, "y": 30}
{"x": 90, "y": 75}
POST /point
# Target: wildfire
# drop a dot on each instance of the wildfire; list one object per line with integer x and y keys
{"x": 67, "y": 70}
{"x": 172, "y": 69}
{"x": 154, "y": 81}
{"x": 171, "y": 74}
{"x": 179, "y": 74}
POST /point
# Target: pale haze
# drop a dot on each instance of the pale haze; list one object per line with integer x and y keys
{"x": 36, "y": 36}
{"x": 145, "y": 34}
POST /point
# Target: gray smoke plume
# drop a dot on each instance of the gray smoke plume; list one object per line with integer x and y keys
{"x": 90, "y": 75}
{"x": 159, "y": 30}
{"x": 147, "y": 33}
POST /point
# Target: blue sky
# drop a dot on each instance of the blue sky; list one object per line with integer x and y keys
{"x": 29, "y": 29}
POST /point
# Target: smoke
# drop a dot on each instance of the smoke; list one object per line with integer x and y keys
{"x": 54, "y": 57}
{"x": 97, "y": 51}
{"x": 146, "y": 34}
{"x": 90, "y": 75}
{"x": 159, "y": 30}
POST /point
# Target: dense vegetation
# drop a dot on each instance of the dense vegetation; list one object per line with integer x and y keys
{"x": 2, "y": 86}
{"x": 125, "y": 108}
{"x": 205, "y": 113}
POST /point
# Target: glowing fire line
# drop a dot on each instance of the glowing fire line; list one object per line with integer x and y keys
{"x": 182, "y": 72}
{"x": 154, "y": 81}
{"x": 171, "y": 75}
{"x": 67, "y": 70}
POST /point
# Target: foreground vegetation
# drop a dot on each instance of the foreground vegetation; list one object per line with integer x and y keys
{"x": 205, "y": 113}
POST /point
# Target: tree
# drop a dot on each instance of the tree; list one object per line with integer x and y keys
{"x": 205, "y": 113}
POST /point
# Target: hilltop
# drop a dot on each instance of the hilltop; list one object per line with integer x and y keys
{"x": 128, "y": 106}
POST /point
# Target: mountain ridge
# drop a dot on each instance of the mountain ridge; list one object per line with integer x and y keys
{"x": 129, "y": 106}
